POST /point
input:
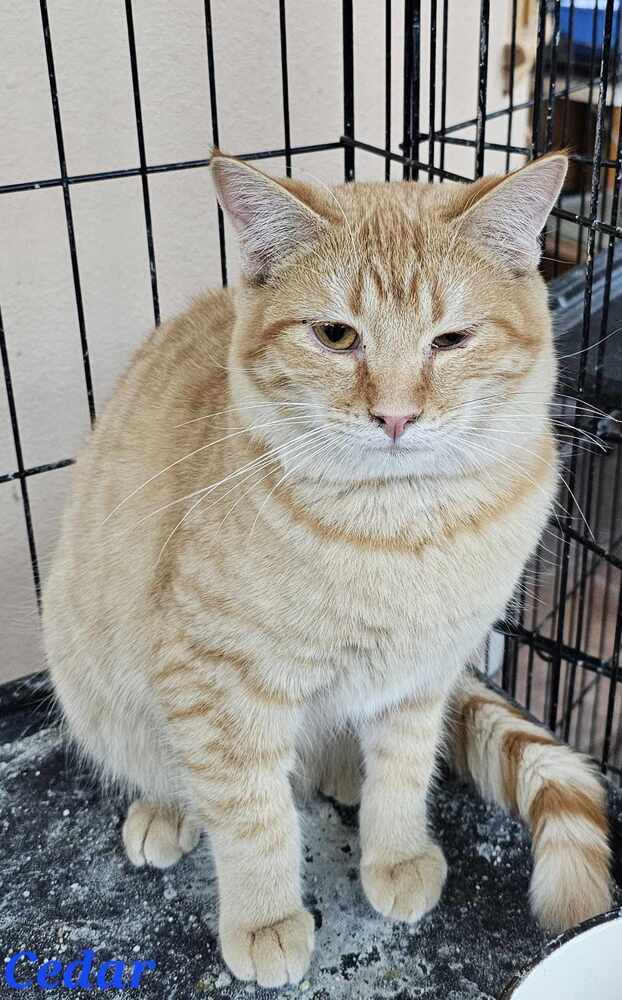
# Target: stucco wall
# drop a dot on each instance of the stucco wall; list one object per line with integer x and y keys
{"x": 93, "y": 72}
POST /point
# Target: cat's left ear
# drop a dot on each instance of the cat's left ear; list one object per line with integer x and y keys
{"x": 509, "y": 213}
{"x": 270, "y": 220}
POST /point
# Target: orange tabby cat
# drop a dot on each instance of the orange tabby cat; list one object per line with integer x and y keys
{"x": 306, "y": 503}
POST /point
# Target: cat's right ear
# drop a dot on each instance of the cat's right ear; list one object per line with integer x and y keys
{"x": 271, "y": 221}
{"x": 507, "y": 214}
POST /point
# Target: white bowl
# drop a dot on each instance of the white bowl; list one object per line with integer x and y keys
{"x": 583, "y": 964}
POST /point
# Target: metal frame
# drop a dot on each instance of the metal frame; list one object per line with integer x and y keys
{"x": 556, "y": 647}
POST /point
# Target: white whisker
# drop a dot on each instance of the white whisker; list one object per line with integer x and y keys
{"x": 250, "y": 406}
{"x": 294, "y": 468}
{"x": 255, "y": 465}
{"x": 515, "y": 467}
{"x": 204, "y": 447}
{"x": 590, "y": 347}
{"x": 206, "y": 493}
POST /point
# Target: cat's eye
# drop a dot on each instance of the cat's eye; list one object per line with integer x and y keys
{"x": 336, "y": 336}
{"x": 448, "y": 341}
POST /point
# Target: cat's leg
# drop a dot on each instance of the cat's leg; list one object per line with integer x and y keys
{"x": 340, "y": 773}
{"x": 402, "y": 869}
{"x": 157, "y": 834}
{"x": 235, "y": 740}
{"x": 329, "y": 756}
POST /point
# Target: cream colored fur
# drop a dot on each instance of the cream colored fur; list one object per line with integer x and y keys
{"x": 250, "y": 569}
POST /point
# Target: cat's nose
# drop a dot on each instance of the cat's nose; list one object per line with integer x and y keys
{"x": 395, "y": 424}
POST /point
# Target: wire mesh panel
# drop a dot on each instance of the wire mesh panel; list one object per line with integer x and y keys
{"x": 563, "y": 647}
{"x": 543, "y": 74}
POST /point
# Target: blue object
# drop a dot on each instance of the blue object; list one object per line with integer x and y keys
{"x": 588, "y": 23}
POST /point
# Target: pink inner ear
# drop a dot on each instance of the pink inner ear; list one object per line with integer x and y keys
{"x": 270, "y": 222}
{"x": 236, "y": 201}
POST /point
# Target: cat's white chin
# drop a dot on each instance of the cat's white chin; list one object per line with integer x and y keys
{"x": 395, "y": 450}
{"x": 400, "y": 462}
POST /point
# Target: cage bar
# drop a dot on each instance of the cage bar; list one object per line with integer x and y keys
{"x": 432, "y": 90}
{"x": 348, "y": 89}
{"x": 482, "y": 87}
{"x": 19, "y": 457}
{"x": 63, "y": 181}
{"x": 142, "y": 156}
{"x": 211, "y": 74}
{"x": 388, "y": 47}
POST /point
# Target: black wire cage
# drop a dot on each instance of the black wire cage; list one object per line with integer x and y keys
{"x": 558, "y": 651}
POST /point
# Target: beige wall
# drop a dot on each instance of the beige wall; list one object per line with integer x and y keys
{"x": 93, "y": 72}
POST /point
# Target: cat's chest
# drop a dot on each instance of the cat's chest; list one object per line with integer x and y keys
{"x": 371, "y": 608}
{"x": 392, "y": 605}
{"x": 405, "y": 623}
{"x": 401, "y": 564}
{"x": 377, "y": 590}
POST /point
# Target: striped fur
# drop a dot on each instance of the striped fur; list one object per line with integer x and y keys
{"x": 555, "y": 791}
{"x": 251, "y": 574}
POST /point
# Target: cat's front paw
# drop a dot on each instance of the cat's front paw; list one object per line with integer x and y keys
{"x": 272, "y": 956}
{"x": 407, "y": 889}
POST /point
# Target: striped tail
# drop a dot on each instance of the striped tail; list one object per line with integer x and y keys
{"x": 554, "y": 790}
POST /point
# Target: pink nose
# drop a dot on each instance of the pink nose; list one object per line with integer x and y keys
{"x": 395, "y": 425}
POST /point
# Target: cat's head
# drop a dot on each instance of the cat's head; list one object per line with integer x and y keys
{"x": 400, "y": 327}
